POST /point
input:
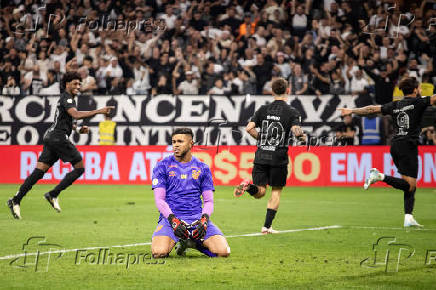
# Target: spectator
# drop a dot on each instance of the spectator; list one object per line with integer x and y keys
{"x": 249, "y": 80}
{"x": 33, "y": 81}
{"x": 384, "y": 82}
{"x": 298, "y": 81}
{"x": 299, "y": 21}
{"x": 188, "y": 86}
{"x": 348, "y": 132}
{"x": 231, "y": 20}
{"x": 51, "y": 86}
{"x": 337, "y": 84}
{"x": 88, "y": 82}
{"x": 247, "y": 28}
{"x": 163, "y": 86}
{"x": 114, "y": 70}
{"x": 428, "y": 136}
{"x": 263, "y": 71}
{"x": 358, "y": 82}
{"x": 11, "y": 87}
{"x": 321, "y": 80}
{"x": 219, "y": 88}
{"x": 285, "y": 68}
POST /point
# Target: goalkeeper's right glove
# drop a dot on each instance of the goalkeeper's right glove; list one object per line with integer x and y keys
{"x": 179, "y": 227}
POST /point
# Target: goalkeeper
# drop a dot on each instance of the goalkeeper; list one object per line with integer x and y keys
{"x": 178, "y": 183}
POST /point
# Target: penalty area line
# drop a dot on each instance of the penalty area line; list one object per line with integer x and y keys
{"x": 149, "y": 243}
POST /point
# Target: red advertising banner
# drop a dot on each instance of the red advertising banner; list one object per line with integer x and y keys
{"x": 320, "y": 166}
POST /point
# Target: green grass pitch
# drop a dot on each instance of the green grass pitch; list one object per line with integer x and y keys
{"x": 107, "y": 216}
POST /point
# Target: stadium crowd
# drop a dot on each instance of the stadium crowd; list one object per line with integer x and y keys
{"x": 218, "y": 47}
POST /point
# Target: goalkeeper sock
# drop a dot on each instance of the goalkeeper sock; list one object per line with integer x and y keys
{"x": 33, "y": 178}
{"x": 202, "y": 249}
{"x": 252, "y": 189}
{"x": 397, "y": 183}
{"x": 270, "y": 215}
{"x": 409, "y": 201}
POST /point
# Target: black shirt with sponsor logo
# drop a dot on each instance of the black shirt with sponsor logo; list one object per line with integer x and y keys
{"x": 275, "y": 121}
{"x": 63, "y": 122}
{"x": 407, "y": 116}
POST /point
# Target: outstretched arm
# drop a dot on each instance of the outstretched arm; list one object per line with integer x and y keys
{"x": 86, "y": 114}
{"x": 368, "y": 110}
{"x": 161, "y": 204}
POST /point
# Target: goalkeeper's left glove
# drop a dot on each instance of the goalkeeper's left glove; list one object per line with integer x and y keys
{"x": 201, "y": 229}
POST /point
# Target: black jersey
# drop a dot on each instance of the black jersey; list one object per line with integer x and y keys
{"x": 407, "y": 115}
{"x": 275, "y": 121}
{"x": 63, "y": 122}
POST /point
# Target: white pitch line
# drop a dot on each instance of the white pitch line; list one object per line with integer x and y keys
{"x": 149, "y": 243}
{"x": 387, "y": 228}
{"x": 288, "y": 231}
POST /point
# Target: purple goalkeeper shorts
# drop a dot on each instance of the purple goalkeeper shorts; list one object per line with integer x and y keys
{"x": 164, "y": 229}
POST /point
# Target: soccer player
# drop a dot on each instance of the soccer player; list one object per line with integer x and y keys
{"x": 178, "y": 183}
{"x": 407, "y": 115}
{"x": 58, "y": 146}
{"x": 276, "y": 121}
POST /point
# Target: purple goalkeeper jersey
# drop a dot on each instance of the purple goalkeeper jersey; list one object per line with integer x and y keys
{"x": 184, "y": 183}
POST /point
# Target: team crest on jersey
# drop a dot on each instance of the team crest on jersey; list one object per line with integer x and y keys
{"x": 171, "y": 173}
{"x": 183, "y": 176}
{"x": 155, "y": 181}
{"x": 70, "y": 101}
{"x": 195, "y": 173}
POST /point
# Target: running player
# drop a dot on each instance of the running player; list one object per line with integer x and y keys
{"x": 58, "y": 146}
{"x": 178, "y": 183}
{"x": 407, "y": 115}
{"x": 276, "y": 121}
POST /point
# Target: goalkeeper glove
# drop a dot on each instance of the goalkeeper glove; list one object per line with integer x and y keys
{"x": 201, "y": 229}
{"x": 178, "y": 226}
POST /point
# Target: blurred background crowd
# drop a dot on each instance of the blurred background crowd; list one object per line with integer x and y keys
{"x": 228, "y": 47}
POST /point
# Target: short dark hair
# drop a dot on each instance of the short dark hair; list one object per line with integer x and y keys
{"x": 69, "y": 77}
{"x": 186, "y": 131}
{"x": 279, "y": 86}
{"x": 408, "y": 85}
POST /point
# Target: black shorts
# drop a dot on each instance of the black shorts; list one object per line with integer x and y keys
{"x": 58, "y": 146}
{"x": 405, "y": 156}
{"x": 264, "y": 174}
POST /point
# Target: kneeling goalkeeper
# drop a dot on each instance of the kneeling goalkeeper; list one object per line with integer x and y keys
{"x": 178, "y": 183}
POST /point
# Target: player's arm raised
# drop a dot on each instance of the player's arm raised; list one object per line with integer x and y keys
{"x": 87, "y": 114}
{"x": 251, "y": 129}
{"x": 364, "y": 111}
